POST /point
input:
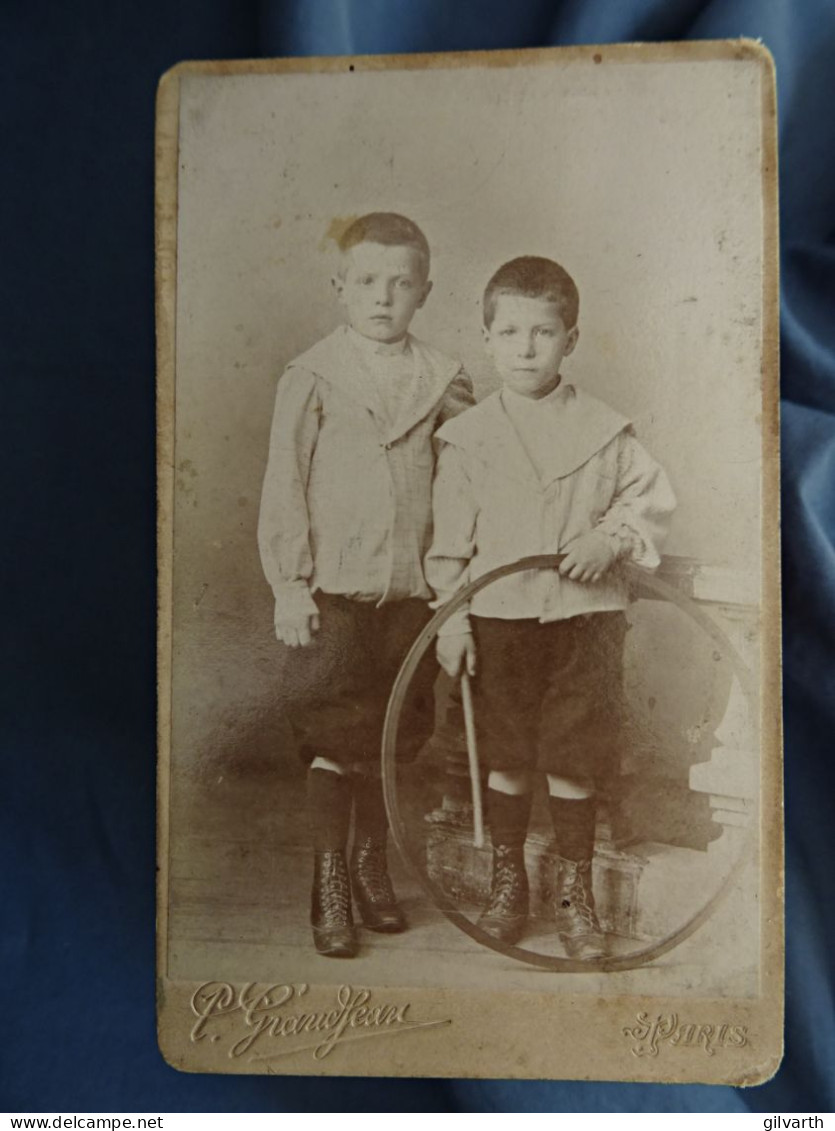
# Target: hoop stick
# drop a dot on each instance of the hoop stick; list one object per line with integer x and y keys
{"x": 472, "y": 758}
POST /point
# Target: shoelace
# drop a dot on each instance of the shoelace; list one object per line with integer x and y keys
{"x": 507, "y": 887}
{"x": 578, "y": 897}
{"x": 372, "y": 872}
{"x": 335, "y": 895}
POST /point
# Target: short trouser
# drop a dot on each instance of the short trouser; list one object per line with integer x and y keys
{"x": 550, "y": 696}
{"x": 335, "y": 690}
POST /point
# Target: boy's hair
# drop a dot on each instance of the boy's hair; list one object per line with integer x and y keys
{"x": 389, "y": 229}
{"x": 531, "y": 276}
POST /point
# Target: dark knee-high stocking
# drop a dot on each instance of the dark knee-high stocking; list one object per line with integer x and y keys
{"x": 370, "y": 819}
{"x": 329, "y": 808}
{"x": 508, "y": 815}
{"x": 573, "y": 820}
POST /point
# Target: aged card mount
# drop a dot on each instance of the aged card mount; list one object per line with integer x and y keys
{"x": 649, "y": 171}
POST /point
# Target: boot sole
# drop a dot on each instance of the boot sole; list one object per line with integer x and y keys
{"x": 334, "y": 948}
{"x": 381, "y": 926}
{"x": 585, "y": 950}
{"x": 385, "y": 928}
{"x": 507, "y": 932}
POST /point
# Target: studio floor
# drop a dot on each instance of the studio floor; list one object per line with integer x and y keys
{"x": 239, "y": 891}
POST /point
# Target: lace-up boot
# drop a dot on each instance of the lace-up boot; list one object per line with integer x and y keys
{"x": 506, "y": 913}
{"x": 330, "y": 906}
{"x": 373, "y": 893}
{"x": 577, "y": 924}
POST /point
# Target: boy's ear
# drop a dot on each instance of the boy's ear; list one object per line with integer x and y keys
{"x": 427, "y": 287}
{"x": 571, "y": 340}
{"x": 338, "y": 284}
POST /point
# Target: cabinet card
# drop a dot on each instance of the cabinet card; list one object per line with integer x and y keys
{"x": 421, "y": 318}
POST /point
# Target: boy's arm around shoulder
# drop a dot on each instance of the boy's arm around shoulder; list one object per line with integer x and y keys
{"x": 642, "y": 507}
{"x": 283, "y": 523}
{"x": 457, "y": 398}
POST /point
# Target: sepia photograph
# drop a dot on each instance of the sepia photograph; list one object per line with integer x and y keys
{"x": 469, "y": 696}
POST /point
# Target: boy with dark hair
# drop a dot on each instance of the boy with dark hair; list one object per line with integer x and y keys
{"x": 345, "y": 522}
{"x": 542, "y": 468}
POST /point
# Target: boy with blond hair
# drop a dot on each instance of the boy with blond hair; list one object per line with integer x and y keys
{"x": 345, "y": 522}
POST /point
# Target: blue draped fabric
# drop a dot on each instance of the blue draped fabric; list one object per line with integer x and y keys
{"x": 76, "y": 313}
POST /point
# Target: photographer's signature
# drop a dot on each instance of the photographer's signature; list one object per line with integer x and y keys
{"x": 268, "y": 1021}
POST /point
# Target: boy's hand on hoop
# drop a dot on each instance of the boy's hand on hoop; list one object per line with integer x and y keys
{"x": 456, "y": 653}
{"x": 296, "y": 632}
{"x": 588, "y": 557}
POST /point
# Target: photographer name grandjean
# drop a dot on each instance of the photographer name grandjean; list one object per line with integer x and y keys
{"x": 353, "y": 1016}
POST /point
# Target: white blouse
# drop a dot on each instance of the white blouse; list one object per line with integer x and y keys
{"x": 516, "y": 479}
